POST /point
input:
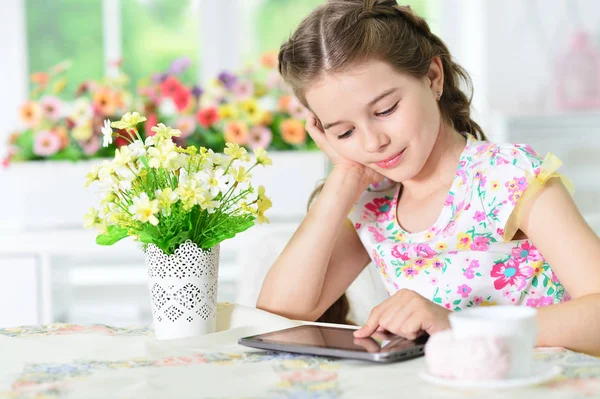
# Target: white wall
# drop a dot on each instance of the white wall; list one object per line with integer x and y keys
{"x": 13, "y": 68}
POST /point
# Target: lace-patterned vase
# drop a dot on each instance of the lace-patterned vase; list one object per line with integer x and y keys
{"x": 183, "y": 290}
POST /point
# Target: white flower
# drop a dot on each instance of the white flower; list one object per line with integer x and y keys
{"x": 144, "y": 209}
{"x": 261, "y": 157}
{"x": 126, "y": 177}
{"x": 107, "y": 133}
{"x": 122, "y": 156}
{"x": 217, "y": 181}
{"x": 138, "y": 149}
{"x": 167, "y": 107}
{"x": 239, "y": 174}
{"x": 81, "y": 111}
{"x": 163, "y": 155}
{"x": 191, "y": 192}
{"x": 218, "y": 159}
{"x": 165, "y": 132}
{"x": 92, "y": 176}
{"x": 130, "y": 119}
{"x": 91, "y": 219}
{"x": 209, "y": 205}
{"x": 106, "y": 170}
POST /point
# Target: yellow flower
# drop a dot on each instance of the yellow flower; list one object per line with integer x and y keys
{"x": 166, "y": 198}
{"x": 92, "y": 175}
{"x": 494, "y": 185}
{"x": 144, "y": 209}
{"x": 228, "y": 111}
{"x": 442, "y": 246}
{"x": 165, "y": 132}
{"x": 236, "y": 152}
{"x": 262, "y": 157}
{"x": 91, "y": 219}
{"x": 130, "y": 119}
{"x": 83, "y": 131}
{"x": 60, "y": 85}
{"x": 240, "y": 174}
{"x": 464, "y": 241}
{"x": 428, "y": 235}
{"x": 250, "y": 107}
{"x": 538, "y": 268}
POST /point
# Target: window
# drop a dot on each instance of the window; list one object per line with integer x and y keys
{"x": 155, "y": 33}
{"x": 66, "y": 29}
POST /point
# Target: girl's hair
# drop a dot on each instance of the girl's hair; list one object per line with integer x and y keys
{"x": 342, "y": 33}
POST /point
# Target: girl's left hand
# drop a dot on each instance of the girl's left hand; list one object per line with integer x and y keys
{"x": 406, "y": 314}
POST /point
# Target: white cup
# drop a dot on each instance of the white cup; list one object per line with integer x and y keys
{"x": 515, "y": 325}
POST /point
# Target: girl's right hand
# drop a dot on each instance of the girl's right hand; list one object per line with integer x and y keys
{"x": 315, "y": 130}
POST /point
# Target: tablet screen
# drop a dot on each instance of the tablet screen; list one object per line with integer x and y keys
{"x": 339, "y": 338}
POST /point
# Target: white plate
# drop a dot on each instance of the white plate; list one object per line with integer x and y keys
{"x": 543, "y": 373}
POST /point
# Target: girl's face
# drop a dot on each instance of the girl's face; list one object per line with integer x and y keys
{"x": 382, "y": 119}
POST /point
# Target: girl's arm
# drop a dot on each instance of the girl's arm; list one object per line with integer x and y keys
{"x": 322, "y": 258}
{"x": 555, "y": 226}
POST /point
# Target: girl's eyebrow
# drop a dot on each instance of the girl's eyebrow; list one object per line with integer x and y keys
{"x": 371, "y": 103}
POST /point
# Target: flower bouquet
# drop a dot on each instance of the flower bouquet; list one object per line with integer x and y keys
{"x": 179, "y": 203}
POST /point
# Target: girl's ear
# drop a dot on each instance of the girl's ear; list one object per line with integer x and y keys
{"x": 435, "y": 76}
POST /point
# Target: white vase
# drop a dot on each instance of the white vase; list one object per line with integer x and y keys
{"x": 183, "y": 290}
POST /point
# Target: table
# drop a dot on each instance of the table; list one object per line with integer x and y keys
{"x": 99, "y": 361}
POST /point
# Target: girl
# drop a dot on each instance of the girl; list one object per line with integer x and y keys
{"x": 450, "y": 220}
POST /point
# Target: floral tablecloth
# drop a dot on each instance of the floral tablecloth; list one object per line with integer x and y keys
{"x": 98, "y": 361}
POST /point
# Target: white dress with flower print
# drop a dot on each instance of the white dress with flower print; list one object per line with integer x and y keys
{"x": 463, "y": 259}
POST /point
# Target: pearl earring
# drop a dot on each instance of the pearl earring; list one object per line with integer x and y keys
{"x": 439, "y": 95}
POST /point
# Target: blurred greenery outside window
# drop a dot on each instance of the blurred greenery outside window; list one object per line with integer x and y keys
{"x": 154, "y": 33}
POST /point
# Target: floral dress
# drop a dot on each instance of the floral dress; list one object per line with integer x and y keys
{"x": 467, "y": 257}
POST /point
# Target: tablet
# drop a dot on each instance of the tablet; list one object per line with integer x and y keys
{"x": 338, "y": 342}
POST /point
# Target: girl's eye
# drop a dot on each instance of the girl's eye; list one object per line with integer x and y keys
{"x": 346, "y": 135}
{"x": 388, "y": 111}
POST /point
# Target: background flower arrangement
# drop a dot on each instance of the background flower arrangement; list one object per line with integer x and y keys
{"x": 252, "y": 109}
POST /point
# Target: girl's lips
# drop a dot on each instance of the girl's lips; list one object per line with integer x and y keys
{"x": 390, "y": 162}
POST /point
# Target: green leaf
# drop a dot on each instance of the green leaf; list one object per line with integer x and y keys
{"x": 457, "y": 302}
{"x": 113, "y": 234}
{"x": 478, "y": 274}
{"x": 437, "y": 300}
{"x": 550, "y": 291}
{"x": 546, "y": 280}
{"x": 534, "y": 282}
{"x": 390, "y": 226}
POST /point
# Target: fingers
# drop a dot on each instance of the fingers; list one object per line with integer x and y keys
{"x": 368, "y": 343}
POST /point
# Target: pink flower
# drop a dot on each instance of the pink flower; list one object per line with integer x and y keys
{"x": 186, "y": 124}
{"x": 522, "y": 183}
{"x": 410, "y": 272}
{"x": 425, "y": 251}
{"x": 297, "y": 110}
{"x": 533, "y": 302}
{"x": 420, "y": 263}
{"x": 91, "y": 146}
{"x": 449, "y": 200}
{"x": 434, "y": 281}
{"x": 510, "y": 274}
{"x": 450, "y": 229}
{"x": 464, "y": 290}
{"x": 555, "y": 278}
{"x": 437, "y": 264}
{"x": 474, "y": 264}
{"x": 478, "y": 300}
{"x": 243, "y": 89}
{"x": 377, "y": 234}
{"x": 401, "y": 254}
{"x": 46, "y": 143}
{"x": 480, "y": 243}
{"x": 52, "y": 107}
{"x": 526, "y": 252}
{"x": 447, "y": 305}
{"x": 483, "y": 181}
{"x": 502, "y": 161}
{"x": 381, "y": 208}
{"x": 500, "y": 232}
{"x": 357, "y": 226}
{"x": 479, "y": 216}
{"x": 546, "y": 300}
{"x": 506, "y": 293}
{"x": 259, "y": 137}
{"x": 149, "y": 124}
{"x": 469, "y": 273}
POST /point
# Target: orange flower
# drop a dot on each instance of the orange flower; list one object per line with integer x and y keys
{"x": 293, "y": 132}
{"x": 284, "y": 103}
{"x": 236, "y": 132}
{"x": 40, "y": 78}
{"x": 269, "y": 60}
{"x": 62, "y": 134}
{"x": 31, "y": 113}
{"x": 105, "y": 101}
